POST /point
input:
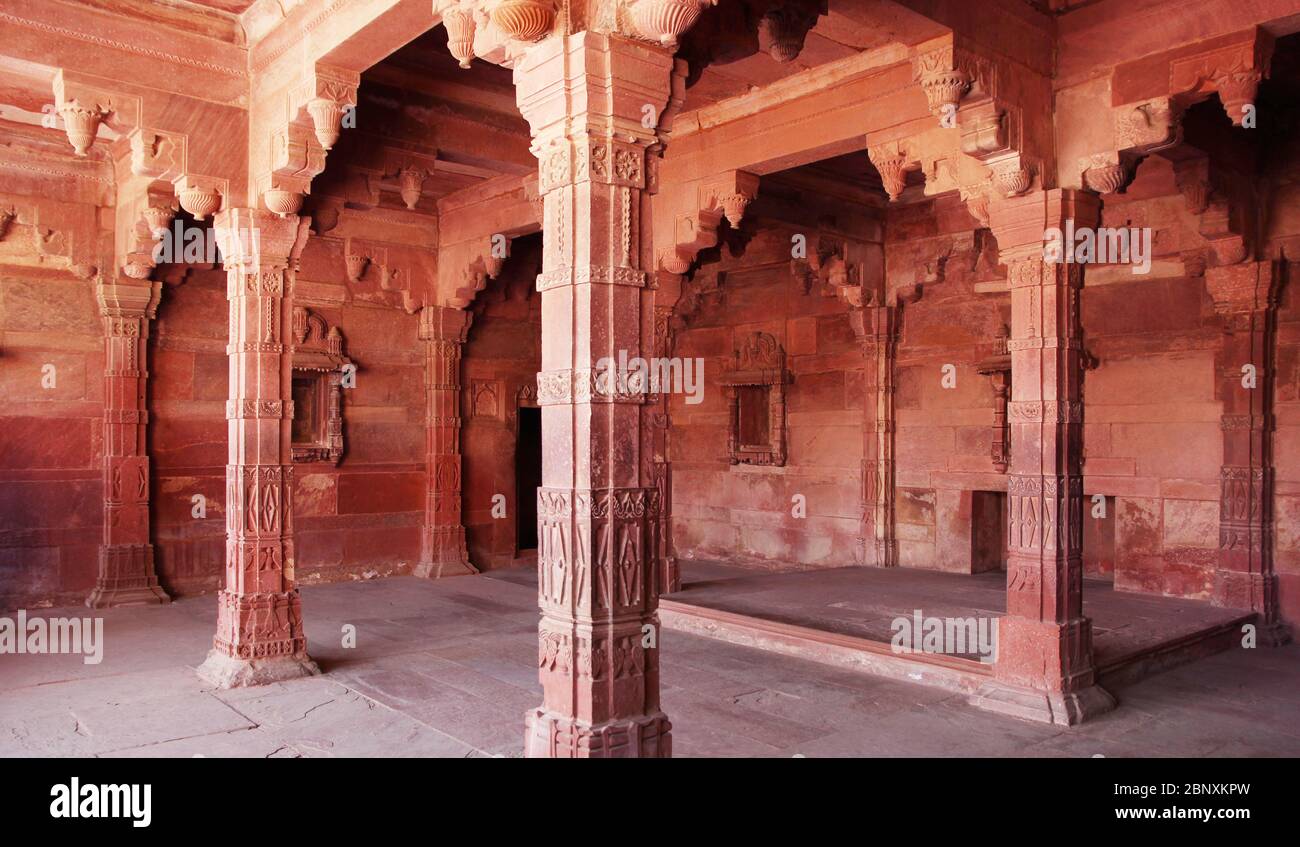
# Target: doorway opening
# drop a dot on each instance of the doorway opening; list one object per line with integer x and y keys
{"x": 988, "y": 537}
{"x": 528, "y": 476}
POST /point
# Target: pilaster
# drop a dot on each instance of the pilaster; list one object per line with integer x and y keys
{"x": 1044, "y": 668}
{"x": 877, "y": 330}
{"x": 126, "y": 565}
{"x": 1245, "y": 297}
{"x": 442, "y": 550}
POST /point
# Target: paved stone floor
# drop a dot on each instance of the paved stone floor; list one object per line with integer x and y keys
{"x": 865, "y": 601}
{"x": 448, "y": 668}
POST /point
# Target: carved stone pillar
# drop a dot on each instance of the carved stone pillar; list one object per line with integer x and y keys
{"x": 599, "y": 509}
{"x": 1245, "y": 296}
{"x": 1044, "y": 668}
{"x": 260, "y": 634}
{"x": 877, "y": 330}
{"x": 126, "y": 567}
{"x": 442, "y": 549}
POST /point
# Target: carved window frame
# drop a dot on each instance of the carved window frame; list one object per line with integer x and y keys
{"x": 758, "y": 362}
{"x": 318, "y": 356}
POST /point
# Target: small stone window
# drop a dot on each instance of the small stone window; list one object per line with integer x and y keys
{"x": 756, "y": 384}
{"x": 319, "y": 368}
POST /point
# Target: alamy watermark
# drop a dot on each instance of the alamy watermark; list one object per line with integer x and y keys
{"x": 950, "y": 636}
{"x": 37, "y": 635}
{"x": 1099, "y": 245}
{"x": 637, "y": 375}
{"x": 197, "y": 245}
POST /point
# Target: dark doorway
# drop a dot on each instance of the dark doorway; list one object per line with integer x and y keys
{"x": 988, "y": 540}
{"x": 528, "y": 476}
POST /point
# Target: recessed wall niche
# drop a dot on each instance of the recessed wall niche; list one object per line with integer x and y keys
{"x": 755, "y": 385}
{"x": 319, "y": 364}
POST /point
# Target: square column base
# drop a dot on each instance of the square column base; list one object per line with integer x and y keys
{"x": 1276, "y": 634}
{"x": 145, "y": 595}
{"x": 1055, "y": 707}
{"x": 437, "y": 570}
{"x": 551, "y": 736}
{"x": 223, "y": 671}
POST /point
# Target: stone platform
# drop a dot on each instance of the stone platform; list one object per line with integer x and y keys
{"x": 844, "y": 616}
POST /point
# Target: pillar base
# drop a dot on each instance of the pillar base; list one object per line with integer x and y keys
{"x": 1031, "y": 704}
{"x": 551, "y": 736}
{"x": 437, "y": 570}
{"x": 126, "y": 578}
{"x": 1276, "y": 634}
{"x": 223, "y": 671}
{"x": 104, "y": 597}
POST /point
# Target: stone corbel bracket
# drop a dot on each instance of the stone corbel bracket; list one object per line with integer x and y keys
{"x": 662, "y": 21}
{"x": 146, "y": 230}
{"x": 313, "y": 116}
{"x": 406, "y": 172}
{"x": 947, "y": 74}
{"x": 966, "y": 89}
{"x": 1243, "y": 288}
{"x": 471, "y": 279}
{"x": 84, "y": 106}
{"x": 499, "y": 31}
{"x": 893, "y": 160}
{"x": 1233, "y": 68}
{"x": 695, "y": 226}
{"x": 1223, "y": 207}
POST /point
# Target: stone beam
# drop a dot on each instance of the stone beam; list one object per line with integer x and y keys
{"x": 124, "y": 51}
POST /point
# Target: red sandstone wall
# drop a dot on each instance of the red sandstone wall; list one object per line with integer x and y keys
{"x": 943, "y": 440}
{"x": 501, "y": 359}
{"x": 743, "y": 512}
{"x": 51, "y": 506}
{"x": 1152, "y": 436}
{"x": 188, "y": 386}
{"x": 358, "y": 519}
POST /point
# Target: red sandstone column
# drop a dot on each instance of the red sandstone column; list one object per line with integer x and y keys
{"x": 443, "y": 551}
{"x": 1044, "y": 668}
{"x": 126, "y": 567}
{"x": 1245, "y": 296}
{"x": 877, "y": 331}
{"x": 586, "y": 96}
{"x": 259, "y": 612}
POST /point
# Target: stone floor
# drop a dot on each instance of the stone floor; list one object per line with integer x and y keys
{"x": 447, "y": 669}
{"x": 865, "y": 601}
